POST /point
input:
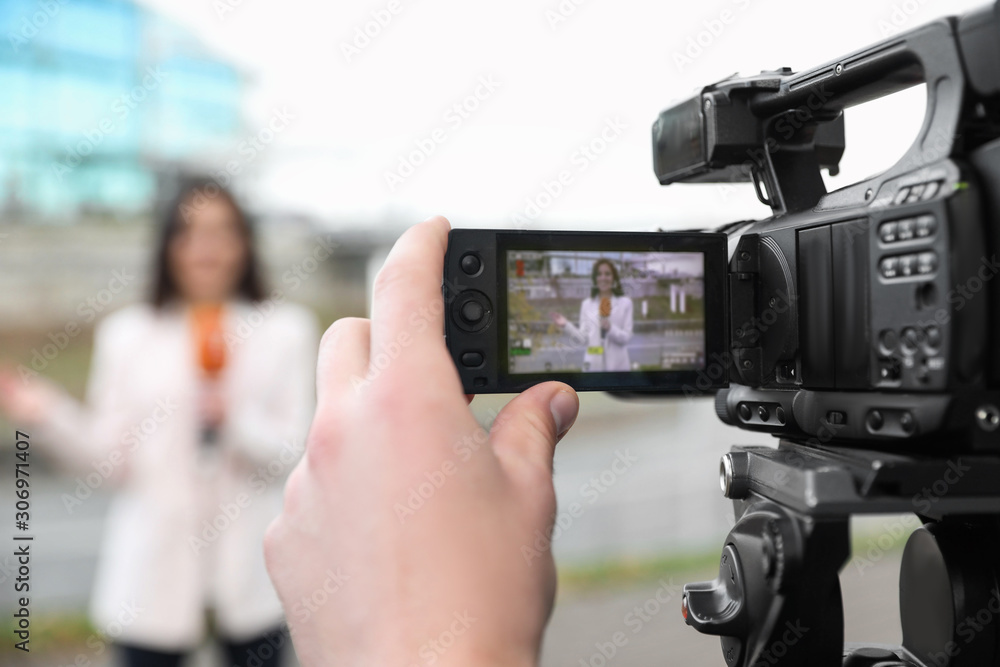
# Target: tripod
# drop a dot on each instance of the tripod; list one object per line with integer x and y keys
{"x": 777, "y": 599}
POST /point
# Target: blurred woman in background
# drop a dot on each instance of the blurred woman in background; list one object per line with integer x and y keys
{"x": 197, "y": 406}
{"x": 605, "y": 321}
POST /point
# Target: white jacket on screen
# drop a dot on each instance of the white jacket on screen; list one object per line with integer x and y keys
{"x": 186, "y": 524}
{"x": 608, "y": 352}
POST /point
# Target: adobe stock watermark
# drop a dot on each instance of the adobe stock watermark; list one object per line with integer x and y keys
{"x": 432, "y": 650}
{"x": 103, "y": 640}
{"x": 224, "y": 7}
{"x": 899, "y": 17}
{"x": 302, "y": 609}
{"x": 965, "y": 291}
{"x": 88, "y": 309}
{"x": 750, "y": 331}
{"x": 32, "y": 24}
{"x": 590, "y": 491}
{"x": 121, "y": 108}
{"x": 455, "y": 116}
{"x": 420, "y": 319}
{"x": 276, "y": 639}
{"x": 129, "y": 442}
{"x": 585, "y": 155}
{"x": 967, "y": 630}
{"x": 878, "y": 547}
{"x": 929, "y": 495}
{"x": 259, "y": 481}
{"x": 248, "y": 149}
{"x": 773, "y": 654}
{"x": 296, "y": 276}
{"x": 366, "y": 33}
{"x": 785, "y": 127}
{"x": 635, "y": 620}
{"x": 711, "y": 31}
{"x": 562, "y": 12}
{"x": 923, "y": 503}
{"x": 463, "y": 449}
{"x": 299, "y": 612}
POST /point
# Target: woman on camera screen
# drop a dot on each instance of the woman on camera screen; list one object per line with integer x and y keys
{"x": 605, "y": 321}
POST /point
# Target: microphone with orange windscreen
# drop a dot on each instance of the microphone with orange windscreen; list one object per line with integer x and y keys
{"x": 605, "y": 312}
{"x": 210, "y": 348}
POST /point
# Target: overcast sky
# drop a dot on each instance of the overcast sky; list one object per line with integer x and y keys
{"x": 551, "y": 77}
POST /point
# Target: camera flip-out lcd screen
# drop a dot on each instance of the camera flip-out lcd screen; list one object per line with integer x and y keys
{"x": 606, "y": 311}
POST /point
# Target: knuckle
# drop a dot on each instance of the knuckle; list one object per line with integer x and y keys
{"x": 334, "y": 332}
{"x": 537, "y": 423}
{"x": 322, "y": 443}
{"x": 272, "y": 543}
{"x": 389, "y": 277}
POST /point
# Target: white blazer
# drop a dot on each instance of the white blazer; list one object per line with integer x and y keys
{"x": 608, "y": 352}
{"x": 185, "y": 528}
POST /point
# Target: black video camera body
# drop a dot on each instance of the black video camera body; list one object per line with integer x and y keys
{"x": 867, "y": 314}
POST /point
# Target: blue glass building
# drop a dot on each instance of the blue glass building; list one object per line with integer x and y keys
{"x": 102, "y": 104}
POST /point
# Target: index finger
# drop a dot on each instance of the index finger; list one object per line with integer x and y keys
{"x": 407, "y": 305}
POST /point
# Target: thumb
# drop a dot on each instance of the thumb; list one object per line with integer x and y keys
{"x": 527, "y": 429}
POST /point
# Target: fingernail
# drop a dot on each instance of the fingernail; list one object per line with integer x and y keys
{"x": 564, "y": 406}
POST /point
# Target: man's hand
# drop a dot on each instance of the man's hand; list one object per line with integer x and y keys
{"x": 409, "y": 535}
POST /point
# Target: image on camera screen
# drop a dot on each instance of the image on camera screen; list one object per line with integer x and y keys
{"x": 593, "y": 312}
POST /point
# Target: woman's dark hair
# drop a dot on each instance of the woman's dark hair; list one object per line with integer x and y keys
{"x": 616, "y": 282}
{"x": 193, "y": 193}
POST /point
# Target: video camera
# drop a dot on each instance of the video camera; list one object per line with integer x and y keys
{"x": 859, "y": 325}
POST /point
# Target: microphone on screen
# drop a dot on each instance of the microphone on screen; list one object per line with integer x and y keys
{"x": 605, "y": 312}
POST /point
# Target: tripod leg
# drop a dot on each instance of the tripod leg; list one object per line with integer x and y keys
{"x": 949, "y": 593}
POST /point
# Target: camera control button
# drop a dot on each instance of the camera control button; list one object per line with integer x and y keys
{"x": 901, "y": 196}
{"x": 471, "y": 264}
{"x": 889, "y": 267}
{"x": 915, "y": 192}
{"x": 472, "y": 312}
{"x": 933, "y": 337}
{"x": 472, "y": 359}
{"x": 905, "y": 229}
{"x": 907, "y": 423}
{"x": 889, "y": 339}
{"x": 887, "y": 232}
{"x": 912, "y": 338}
{"x": 926, "y": 226}
{"x": 926, "y": 262}
{"x": 930, "y": 190}
{"x": 907, "y": 265}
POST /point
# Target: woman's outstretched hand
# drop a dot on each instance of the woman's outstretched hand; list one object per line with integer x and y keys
{"x": 410, "y": 535}
{"x": 559, "y": 319}
{"x": 25, "y": 401}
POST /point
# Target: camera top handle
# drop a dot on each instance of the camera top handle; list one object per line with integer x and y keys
{"x": 779, "y": 129}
